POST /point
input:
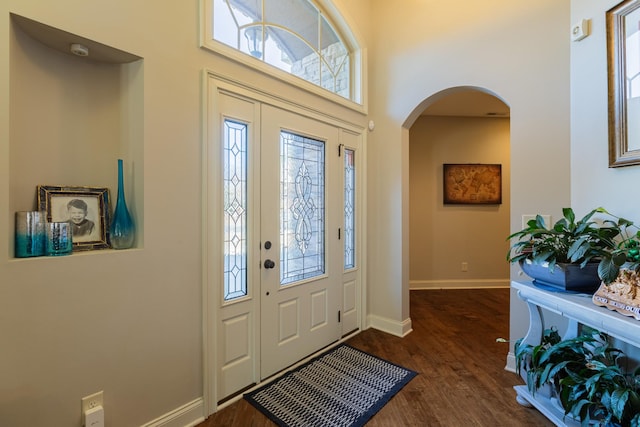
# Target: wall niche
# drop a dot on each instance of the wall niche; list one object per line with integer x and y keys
{"x": 72, "y": 117}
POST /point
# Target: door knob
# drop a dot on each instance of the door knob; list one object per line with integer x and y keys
{"x": 269, "y": 264}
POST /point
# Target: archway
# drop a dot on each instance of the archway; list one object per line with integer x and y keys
{"x": 458, "y": 245}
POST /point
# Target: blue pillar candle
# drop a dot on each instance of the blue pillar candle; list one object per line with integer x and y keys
{"x": 31, "y": 234}
{"x": 59, "y": 240}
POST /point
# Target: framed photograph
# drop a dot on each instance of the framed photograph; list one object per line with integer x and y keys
{"x": 623, "y": 58}
{"x": 86, "y": 209}
{"x": 472, "y": 184}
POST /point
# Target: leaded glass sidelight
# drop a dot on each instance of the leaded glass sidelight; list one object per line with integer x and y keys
{"x": 235, "y": 209}
{"x": 349, "y": 209}
{"x": 302, "y": 208}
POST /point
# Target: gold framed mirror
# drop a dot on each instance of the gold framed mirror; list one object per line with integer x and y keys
{"x": 623, "y": 62}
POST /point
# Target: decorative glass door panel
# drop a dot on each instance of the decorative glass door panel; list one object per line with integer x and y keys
{"x": 349, "y": 209}
{"x": 302, "y": 222}
{"x": 301, "y": 258}
{"x": 235, "y": 209}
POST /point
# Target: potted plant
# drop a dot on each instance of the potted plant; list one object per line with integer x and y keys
{"x": 584, "y": 250}
{"x": 586, "y": 375}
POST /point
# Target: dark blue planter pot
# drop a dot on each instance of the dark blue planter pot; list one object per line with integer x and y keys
{"x": 564, "y": 277}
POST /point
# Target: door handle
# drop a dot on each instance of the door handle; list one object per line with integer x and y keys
{"x": 269, "y": 264}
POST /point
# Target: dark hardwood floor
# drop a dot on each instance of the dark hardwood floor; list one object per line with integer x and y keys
{"x": 461, "y": 379}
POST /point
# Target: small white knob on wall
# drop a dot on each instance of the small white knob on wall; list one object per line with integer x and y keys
{"x": 79, "y": 49}
{"x": 580, "y": 30}
{"x": 371, "y": 125}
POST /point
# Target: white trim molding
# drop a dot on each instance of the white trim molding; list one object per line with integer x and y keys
{"x": 390, "y": 326}
{"x": 420, "y": 285}
{"x": 188, "y": 415}
{"x": 511, "y": 363}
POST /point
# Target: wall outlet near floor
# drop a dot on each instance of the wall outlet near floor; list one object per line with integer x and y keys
{"x": 465, "y": 266}
{"x": 90, "y": 402}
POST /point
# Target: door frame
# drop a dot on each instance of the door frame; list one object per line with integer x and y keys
{"x": 214, "y": 83}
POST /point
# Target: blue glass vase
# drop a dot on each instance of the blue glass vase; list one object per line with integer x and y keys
{"x": 122, "y": 231}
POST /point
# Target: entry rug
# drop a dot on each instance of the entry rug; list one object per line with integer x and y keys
{"x": 344, "y": 387}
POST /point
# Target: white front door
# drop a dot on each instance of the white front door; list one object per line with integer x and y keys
{"x": 282, "y": 272}
{"x": 302, "y": 254}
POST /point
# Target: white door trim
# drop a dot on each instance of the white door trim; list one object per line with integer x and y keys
{"x": 212, "y": 84}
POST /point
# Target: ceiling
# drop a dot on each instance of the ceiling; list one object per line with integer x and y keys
{"x": 468, "y": 103}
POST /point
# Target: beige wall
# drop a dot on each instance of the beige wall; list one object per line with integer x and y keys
{"x": 133, "y": 328}
{"x": 125, "y": 322}
{"x": 443, "y": 236}
{"x": 518, "y": 51}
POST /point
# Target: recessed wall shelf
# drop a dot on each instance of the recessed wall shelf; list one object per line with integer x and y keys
{"x": 73, "y": 116}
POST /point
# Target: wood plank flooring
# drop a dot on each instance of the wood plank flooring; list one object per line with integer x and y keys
{"x": 461, "y": 381}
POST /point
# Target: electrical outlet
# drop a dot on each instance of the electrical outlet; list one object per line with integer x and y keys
{"x": 91, "y": 401}
{"x": 527, "y": 218}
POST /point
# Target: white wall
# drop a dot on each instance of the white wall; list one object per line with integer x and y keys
{"x": 519, "y": 51}
{"x": 445, "y": 236}
{"x": 592, "y": 182}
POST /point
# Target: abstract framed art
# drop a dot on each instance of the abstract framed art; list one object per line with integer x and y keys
{"x": 472, "y": 184}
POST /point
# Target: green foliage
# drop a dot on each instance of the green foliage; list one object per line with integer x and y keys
{"x": 586, "y": 374}
{"x": 608, "y": 241}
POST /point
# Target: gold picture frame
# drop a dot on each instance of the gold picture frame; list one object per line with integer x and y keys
{"x": 472, "y": 184}
{"x": 623, "y": 63}
{"x": 86, "y": 208}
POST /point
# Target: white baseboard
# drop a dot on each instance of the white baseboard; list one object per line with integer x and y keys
{"x": 188, "y": 415}
{"x": 393, "y": 327}
{"x": 511, "y": 363}
{"x": 418, "y": 285}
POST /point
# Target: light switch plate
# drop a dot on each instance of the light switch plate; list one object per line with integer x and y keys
{"x": 527, "y": 218}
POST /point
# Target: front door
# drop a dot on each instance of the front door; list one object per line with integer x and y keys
{"x": 301, "y": 251}
{"x": 282, "y": 270}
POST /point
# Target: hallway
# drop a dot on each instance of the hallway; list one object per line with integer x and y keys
{"x": 461, "y": 381}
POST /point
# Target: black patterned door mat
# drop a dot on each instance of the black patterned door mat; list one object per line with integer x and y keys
{"x": 343, "y": 387}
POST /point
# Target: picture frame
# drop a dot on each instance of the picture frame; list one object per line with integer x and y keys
{"x": 86, "y": 208}
{"x": 622, "y": 25}
{"x": 472, "y": 184}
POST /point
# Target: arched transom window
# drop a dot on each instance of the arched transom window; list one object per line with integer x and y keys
{"x": 293, "y": 35}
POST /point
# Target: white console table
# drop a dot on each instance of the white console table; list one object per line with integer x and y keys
{"x": 579, "y": 309}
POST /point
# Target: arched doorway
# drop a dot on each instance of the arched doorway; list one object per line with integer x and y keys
{"x": 457, "y": 245}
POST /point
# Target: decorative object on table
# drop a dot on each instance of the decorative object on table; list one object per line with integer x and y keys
{"x": 31, "y": 234}
{"x": 59, "y": 238}
{"x": 608, "y": 243}
{"x": 586, "y": 376}
{"x": 122, "y": 230}
{"x": 621, "y": 295}
{"x": 472, "y": 184}
{"x": 624, "y": 138}
{"x": 342, "y": 387}
{"x": 85, "y": 208}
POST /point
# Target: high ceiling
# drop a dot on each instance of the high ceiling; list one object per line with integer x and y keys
{"x": 468, "y": 103}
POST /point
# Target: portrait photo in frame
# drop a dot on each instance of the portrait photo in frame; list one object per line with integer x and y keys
{"x": 85, "y": 208}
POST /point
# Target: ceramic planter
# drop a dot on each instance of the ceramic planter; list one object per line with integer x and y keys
{"x": 564, "y": 277}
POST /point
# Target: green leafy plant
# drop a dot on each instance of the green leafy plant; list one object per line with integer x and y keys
{"x": 611, "y": 242}
{"x": 586, "y": 374}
